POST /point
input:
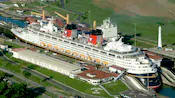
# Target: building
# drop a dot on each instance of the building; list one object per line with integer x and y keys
{"x": 46, "y": 61}
{"x": 95, "y": 77}
{"x": 154, "y": 57}
{"x": 3, "y": 47}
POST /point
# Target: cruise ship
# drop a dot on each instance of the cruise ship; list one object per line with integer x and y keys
{"x": 102, "y": 45}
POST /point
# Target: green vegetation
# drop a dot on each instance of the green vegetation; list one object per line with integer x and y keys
{"x": 143, "y": 45}
{"x": 2, "y": 75}
{"x": 146, "y": 26}
{"x": 115, "y": 87}
{"x": 5, "y": 64}
{"x": 14, "y": 90}
{"x": 31, "y": 66}
{"x": 7, "y": 2}
{"x": 6, "y": 32}
{"x": 26, "y": 74}
{"x": 171, "y": 1}
{"x": 12, "y": 45}
{"x": 88, "y": 8}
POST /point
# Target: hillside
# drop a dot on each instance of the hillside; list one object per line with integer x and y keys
{"x": 160, "y": 8}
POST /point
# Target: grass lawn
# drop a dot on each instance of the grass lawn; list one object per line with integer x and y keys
{"x": 171, "y": 1}
{"x": 141, "y": 44}
{"x": 115, "y": 87}
{"x": 146, "y": 26}
{"x": 7, "y": 2}
{"x": 12, "y": 67}
{"x": 92, "y": 11}
{"x": 12, "y": 45}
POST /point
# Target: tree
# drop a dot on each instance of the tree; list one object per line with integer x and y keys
{"x": 2, "y": 76}
{"x": 3, "y": 87}
{"x": 50, "y": 77}
{"x": 17, "y": 90}
{"x": 85, "y": 15}
{"x": 26, "y": 74}
{"x": 31, "y": 66}
{"x": 160, "y": 23}
{"x": 57, "y": 2}
{"x": 7, "y": 33}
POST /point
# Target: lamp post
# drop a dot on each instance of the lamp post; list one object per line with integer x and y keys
{"x": 89, "y": 17}
{"x": 135, "y": 33}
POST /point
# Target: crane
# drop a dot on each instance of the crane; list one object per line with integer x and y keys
{"x": 64, "y": 17}
{"x": 43, "y": 14}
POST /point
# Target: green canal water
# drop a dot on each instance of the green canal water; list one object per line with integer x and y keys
{"x": 167, "y": 91}
{"x": 13, "y": 21}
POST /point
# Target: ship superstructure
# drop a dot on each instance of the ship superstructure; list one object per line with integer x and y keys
{"x": 89, "y": 45}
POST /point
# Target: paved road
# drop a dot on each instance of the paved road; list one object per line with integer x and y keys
{"x": 152, "y": 43}
{"x": 170, "y": 54}
{"x": 32, "y": 82}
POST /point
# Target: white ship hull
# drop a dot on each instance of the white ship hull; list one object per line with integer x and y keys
{"x": 81, "y": 51}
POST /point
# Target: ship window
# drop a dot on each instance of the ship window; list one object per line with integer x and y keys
{"x": 87, "y": 48}
{"x": 54, "y": 38}
{"x": 118, "y": 56}
{"x": 103, "y": 52}
{"x": 73, "y": 43}
{"x": 47, "y": 36}
{"x": 112, "y": 55}
{"x": 95, "y": 50}
{"x": 35, "y": 33}
{"x": 41, "y": 35}
{"x": 80, "y": 45}
{"x": 66, "y": 41}
{"x": 60, "y": 39}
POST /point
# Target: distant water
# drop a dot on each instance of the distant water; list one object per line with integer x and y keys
{"x": 14, "y": 21}
{"x": 3, "y": 0}
{"x": 168, "y": 91}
